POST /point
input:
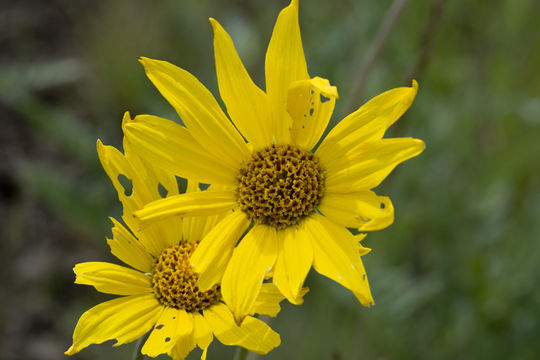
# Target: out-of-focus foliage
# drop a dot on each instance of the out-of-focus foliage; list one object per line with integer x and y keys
{"x": 454, "y": 278}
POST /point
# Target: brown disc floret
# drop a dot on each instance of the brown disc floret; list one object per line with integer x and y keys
{"x": 174, "y": 281}
{"x": 280, "y": 185}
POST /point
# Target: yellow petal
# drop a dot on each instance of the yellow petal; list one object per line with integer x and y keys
{"x": 112, "y": 279}
{"x": 183, "y": 347}
{"x": 267, "y": 303}
{"x": 361, "y": 249}
{"x": 285, "y": 63}
{"x": 247, "y": 105}
{"x": 128, "y": 249}
{"x": 172, "y": 325}
{"x": 198, "y": 110}
{"x": 310, "y": 104}
{"x": 116, "y": 166}
{"x": 221, "y": 321}
{"x": 196, "y": 227}
{"x": 370, "y": 121}
{"x": 332, "y": 155}
{"x": 193, "y": 225}
{"x": 214, "y": 251}
{"x": 260, "y": 337}
{"x": 253, "y": 334}
{"x": 251, "y": 260}
{"x": 336, "y": 255}
{"x": 293, "y": 262}
{"x": 370, "y": 165}
{"x": 202, "y": 332}
{"x": 148, "y": 175}
{"x": 202, "y": 203}
{"x": 152, "y": 176}
{"x": 124, "y": 319}
{"x": 159, "y": 183}
{"x": 362, "y": 210}
{"x": 172, "y": 147}
{"x": 142, "y": 191}
{"x": 114, "y": 163}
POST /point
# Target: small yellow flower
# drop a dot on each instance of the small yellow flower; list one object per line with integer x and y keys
{"x": 161, "y": 293}
{"x": 299, "y": 198}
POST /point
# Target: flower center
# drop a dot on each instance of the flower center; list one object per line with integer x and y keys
{"x": 280, "y": 185}
{"x": 173, "y": 280}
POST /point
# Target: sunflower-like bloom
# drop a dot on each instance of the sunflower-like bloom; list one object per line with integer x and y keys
{"x": 160, "y": 290}
{"x": 299, "y": 199}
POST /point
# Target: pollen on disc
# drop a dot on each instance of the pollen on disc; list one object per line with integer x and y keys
{"x": 174, "y": 281}
{"x": 280, "y": 185}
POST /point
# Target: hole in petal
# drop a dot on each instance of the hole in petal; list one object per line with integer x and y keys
{"x": 383, "y": 205}
{"x": 159, "y": 327}
{"x": 167, "y": 339}
{"x": 126, "y": 183}
{"x": 182, "y": 184}
{"x": 162, "y": 191}
{"x": 324, "y": 99}
{"x": 311, "y": 111}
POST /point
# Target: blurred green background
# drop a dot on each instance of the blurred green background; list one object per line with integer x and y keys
{"x": 455, "y": 277}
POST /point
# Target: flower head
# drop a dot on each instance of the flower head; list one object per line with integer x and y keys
{"x": 300, "y": 199}
{"x": 160, "y": 292}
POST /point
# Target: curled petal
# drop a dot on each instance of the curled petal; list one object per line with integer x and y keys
{"x": 362, "y": 210}
{"x": 310, "y": 104}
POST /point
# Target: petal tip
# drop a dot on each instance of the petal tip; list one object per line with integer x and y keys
{"x": 143, "y": 60}
{"x": 216, "y": 26}
{"x": 147, "y": 62}
{"x": 126, "y": 119}
{"x": 421, "y": 144}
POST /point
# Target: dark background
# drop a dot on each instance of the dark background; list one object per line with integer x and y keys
{"x": 455, "y": 277}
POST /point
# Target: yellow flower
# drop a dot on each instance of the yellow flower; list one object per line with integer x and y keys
{"x": 161, "y": 292}
{"x": 299, "y": 198}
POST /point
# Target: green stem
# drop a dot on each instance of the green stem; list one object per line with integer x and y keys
{"x": 241, "y": 353}
{"x": 137, "y": 355}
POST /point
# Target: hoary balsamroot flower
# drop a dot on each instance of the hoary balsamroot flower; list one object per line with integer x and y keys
{"x": 299, "y": 199}
{"x": 160, "y": 292}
